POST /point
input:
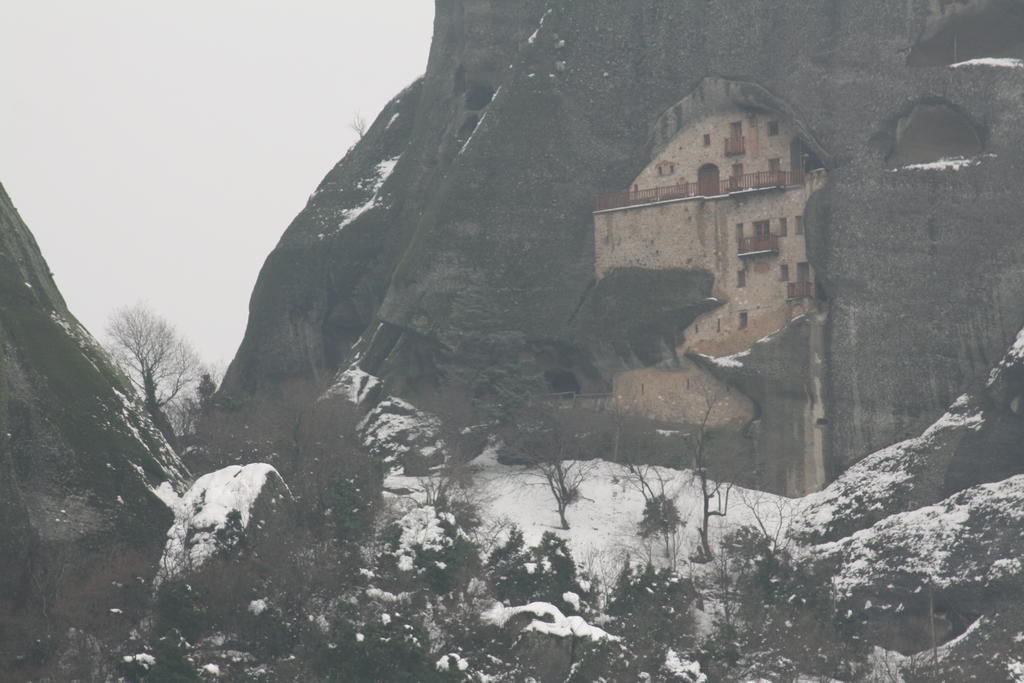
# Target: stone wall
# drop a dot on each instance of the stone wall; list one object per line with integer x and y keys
{"x": 752, "y": 300}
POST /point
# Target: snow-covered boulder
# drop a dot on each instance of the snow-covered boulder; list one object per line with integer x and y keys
{"x": 548, "y": 643}
{"x": 216, "y": 511}
{"x": 356, "y": 386}
{"x": 927, "y": 570}
{"x": 677, "y": 668}
{"x": 545, "y": 619}
{"x": 402, "y": 436}
{"x": 892, "y": 480}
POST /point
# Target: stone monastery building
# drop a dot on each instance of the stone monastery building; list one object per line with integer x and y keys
{"x": 725, "y": 194}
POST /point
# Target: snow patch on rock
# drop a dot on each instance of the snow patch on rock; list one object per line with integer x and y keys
{"x": 354, "y": 385}
{"x": 371, "y": 185}
{"x": 546, "y": 620}
{"x": 203, "y": 514}
{"x": 873, "y": 486}
{"x": 1003, "y": 62}
{"x": 945, "y": 164}
{"x": 682, "y": 669}
{"x": 396, "y": 429}
{"x": 958, "y": 542}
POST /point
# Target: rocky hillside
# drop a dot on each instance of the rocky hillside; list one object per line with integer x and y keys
{"x": 82, "y": 469}
{"x": 475, "y": 186}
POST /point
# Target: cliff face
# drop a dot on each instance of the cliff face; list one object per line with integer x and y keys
{"x": 80, "y": 463}
{"x": 529, "y": 110}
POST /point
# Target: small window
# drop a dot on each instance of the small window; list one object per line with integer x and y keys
{"x": 799, "y": 225}
{"x": 741, "y": 278}
{"x": 739, "y": 231}
{"x": 783, "y": 227}
{"x": 784, "y": 272}
{"x": 707, "y": 139}
{"x": 774, "y": 165}
{"x": 736, "y": 129}
{"x": 773, "y": 128}
{"x": 743, "y": 320}
{"x": 719, "y": 322}
{"x": 762, "y": 229}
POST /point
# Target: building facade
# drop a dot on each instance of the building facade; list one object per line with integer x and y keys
{"x": 726, "y": 194}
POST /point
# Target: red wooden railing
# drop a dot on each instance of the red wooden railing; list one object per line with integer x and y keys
{"x": 749, "y": 181}
{"x": 755, "y": 245}
{"x": 798, "y": 290}
{"x": 734, "y": 146}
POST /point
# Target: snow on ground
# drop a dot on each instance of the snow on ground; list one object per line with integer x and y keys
{"x": 1005, "y": 62}
{"x": 203, "y": 512}
{"x": 603, "y": 524}
{"x": 945, "y": 164}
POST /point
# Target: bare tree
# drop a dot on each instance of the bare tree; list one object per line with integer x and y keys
{"x": 358, "y": 124}
{"x": 158, "y": 360}
{"x": 546, "y": 445}
{"x": 711, "y": 490}
{"x": 772, "y": 516}
{"x": 185, "y": 411}
{"x": 661, "y": 516}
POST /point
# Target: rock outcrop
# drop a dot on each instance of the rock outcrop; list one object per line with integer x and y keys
{"x": 82, "y": 469}
{"x": 528, "y": 111}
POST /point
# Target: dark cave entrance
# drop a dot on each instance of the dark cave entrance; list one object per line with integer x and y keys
{"x": 562, "y": 381}
{"x": 931, "y": 132}
{"x": 802, "y": 158}
{"x": 995, "y": 29}
{"x": 479, "y": 96}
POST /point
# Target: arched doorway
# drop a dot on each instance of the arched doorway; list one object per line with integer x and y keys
{"x": 708, "y": 180}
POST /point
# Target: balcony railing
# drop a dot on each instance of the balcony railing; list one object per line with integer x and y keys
{"x": 708, "y": 188}
{"x": 734, "y": 146}
{"x": 758, "y": 245}
{"x": 799, "y": 290}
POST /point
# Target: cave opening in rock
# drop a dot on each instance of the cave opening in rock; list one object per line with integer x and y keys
{"x": 562, "y": 381}
{"x": 934, "y": 131}
{"x": 988, "y": 29}
{"x": 803, "y": 158}
{"x": 468, "y": 126}
{"x": 479, "y": 96}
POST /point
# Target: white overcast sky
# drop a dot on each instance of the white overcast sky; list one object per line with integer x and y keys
{"x": 157, "y": 149}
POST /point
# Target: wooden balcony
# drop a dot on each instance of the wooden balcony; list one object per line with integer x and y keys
{"x": 735, "y": 146}
{"x": 763, "y": 244}
{"x": 799, "y": 290}
{"x": 751, "y": 181}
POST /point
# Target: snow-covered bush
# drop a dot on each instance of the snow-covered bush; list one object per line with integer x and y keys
{"x": 650, "y": 609}
{"x": 546, "y": 572}
{"x": 777, "y": 616}
{"x": 430, "y": 544}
